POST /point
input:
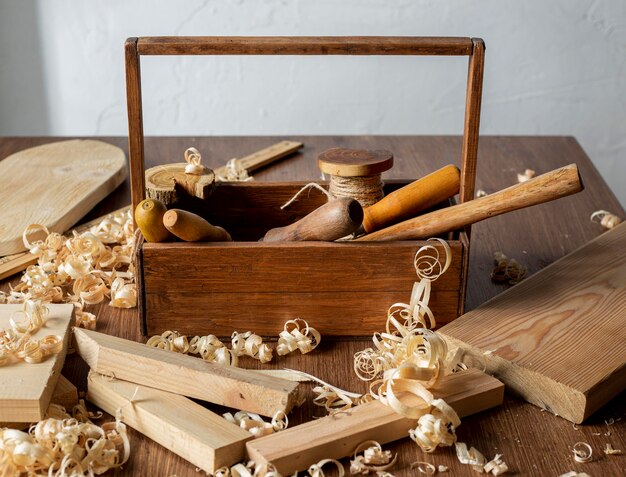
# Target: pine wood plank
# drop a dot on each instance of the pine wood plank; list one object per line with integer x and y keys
{"x": 183, "y": 374}
{"x": 337, "y": 436}
{"x": 557, "y": 338}
{"x": 26, "y": 389}
{"x": 191, "y": 431}
{"x": 65, "y": 180}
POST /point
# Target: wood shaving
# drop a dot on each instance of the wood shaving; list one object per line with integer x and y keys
{"x": 608, "y": 450}
{"x": 480, "y": 193}
{"x": 64, "y": 447}
{"x": 255, "y": 425}
{"x": 573, "y": 473}
{"x": 507, "y": 270}
{"x": 606, "y": 219}
{"x": 374, "y": 458}
{"x": 428, "y": 469}
{"x": 249, "y": 344}
{"x": 208, "y": 347}
{"x": 83, "y": 269}
{"x": 316, "y": 469}
{"x": 470, "y": 457}
{"x": 234, "y": 172}
{"x": 526, "y": 175}
{"x": 297, "y": 334}
{"x": 442, "y": 468}
{"x": 582, "y": 452}
{"x": 193, "y": 159}
{"x": 251, "y": 469}
{"x": 17, "y": 343}
{"x": 496, "y": 466}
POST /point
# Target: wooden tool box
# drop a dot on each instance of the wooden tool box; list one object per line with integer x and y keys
{"x": 342, "y": 289}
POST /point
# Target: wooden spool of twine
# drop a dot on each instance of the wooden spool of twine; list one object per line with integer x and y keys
{"x": 355, "y": 173}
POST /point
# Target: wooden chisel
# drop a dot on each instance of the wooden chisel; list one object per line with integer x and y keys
{"x": 544, "y": 188}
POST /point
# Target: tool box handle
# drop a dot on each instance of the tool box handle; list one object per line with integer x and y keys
{"x": 350, "y": 45}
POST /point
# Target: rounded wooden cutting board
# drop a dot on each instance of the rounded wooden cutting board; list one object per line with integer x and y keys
{"x": 55, "y": 185}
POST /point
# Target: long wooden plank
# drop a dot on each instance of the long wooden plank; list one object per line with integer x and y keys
{"x": 191, "y": 431}
{"x": 183, "y": 374}
{"x": 337, "y": 436}
{"x": 12, "y": 264}
{"x": 25, "y": 388}
{"x": 557, "y": 338}
{"x": 65, "y": 180}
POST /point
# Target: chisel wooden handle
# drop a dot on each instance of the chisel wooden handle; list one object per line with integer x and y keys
{"x": 331, "y": 221}
{"x": 406, "y": 202}
{"x": 193, "y": 228}
{"x": 544, "y": 188}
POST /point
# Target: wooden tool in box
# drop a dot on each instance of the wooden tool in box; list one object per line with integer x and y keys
{"x": 343, "y": 289}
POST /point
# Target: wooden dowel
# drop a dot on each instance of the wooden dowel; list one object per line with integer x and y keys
{"x": 350, "y": 45}
{"x": 550, "y": 186}
{"x": 190, "y": 227}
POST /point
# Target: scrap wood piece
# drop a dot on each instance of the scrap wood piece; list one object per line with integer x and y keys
{"x": 65, "y": 394}
{"x": 55, "y": 185}
{"x": 26, "y": 388}
{"x": 161, "y": 182}
{"x": 336, "y": 436}
{"x": 182, "y": 426}
{"x": 262, "y": 158}
{"x": 186, "y": 375}
{"x": 557, "y": 338}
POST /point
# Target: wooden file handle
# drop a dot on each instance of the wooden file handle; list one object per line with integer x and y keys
{"x": 193, "y": 228}
{"x": 331, "y": 221}
{"x": 544, "y": 188}
{"x": 411, "y": 199}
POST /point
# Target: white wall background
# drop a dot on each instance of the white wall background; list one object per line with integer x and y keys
{"x": 552, "y": 67}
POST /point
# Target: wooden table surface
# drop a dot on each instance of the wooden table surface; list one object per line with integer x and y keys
{"x": 532, "y": 442}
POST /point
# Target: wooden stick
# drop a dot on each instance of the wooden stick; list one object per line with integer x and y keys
{"x": 183, "y": 374}
{"x": 12, "y": 264}
{"x": 544, "y": 188}
{"x": 26, "y": 389}
{"x": 337, "y": 436}
{"x": 189, "y": 430}
{"x": 263, "y": 157}
{"x": 557, "y": 338}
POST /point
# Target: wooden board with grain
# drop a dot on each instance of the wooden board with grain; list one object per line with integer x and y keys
{"x": 26, "y": 389}
{"x": 55, "y": 185}
{"x": 186, "y": 375}
{"x": 336, "y": 436}
{"x": 557, "y": 338}
{"x": 191, "y": 431}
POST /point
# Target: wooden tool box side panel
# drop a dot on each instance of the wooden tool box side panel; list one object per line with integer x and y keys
{"x": 341, "y": 289}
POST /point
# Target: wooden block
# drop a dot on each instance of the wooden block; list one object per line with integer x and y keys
{"x": 26, "y": 389}
{"x": 65, "y": 394}
{"x": 183, "y": 374}
{"x": 191, "y": 431}
{"x": 557, "y": 338}
{"x": 65, "y": 180}
{"x": 337, "y": 436}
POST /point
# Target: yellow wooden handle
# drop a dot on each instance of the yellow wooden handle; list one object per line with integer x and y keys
{"x": 546, "y": 187}
{"x": 193, "y": 228}
{"x": 411, "y": 199}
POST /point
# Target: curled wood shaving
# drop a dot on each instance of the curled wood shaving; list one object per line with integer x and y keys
{"x": 64, "y": 447}
{"x": 608, "y": 450}
{"x": 436, "y": 428}
{"x": 316, "y": 469}
{"x": 193, "y": 159}
{"x": 17, "y": 343}
{"x": 496, "y": 466}
{"x": 428, "y": 468}
{"x": 255, "y": 425}
{"x": 573, "y": 473}
{"x": 507, "y": 270}
{"x": 470, "y": 457}
{"x": 374, "y": 458}
{"x": 297, "y": 334}
{"x": 606, "y": 219}
{"x": 526, "y": 175}
{"x": 481, "y": 193}
{"x": 251, "y": 469}
{"x": 442, "y": 468}
{"x": 209, "y": 347}
{"x": 234, "y": 172}
{"x": 582, "y": 452}
{"x": 83, "y": 269}
{"x": 249, "y": 344}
